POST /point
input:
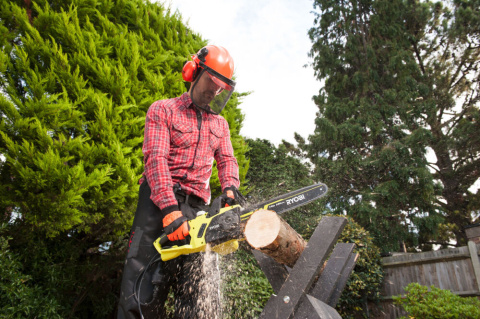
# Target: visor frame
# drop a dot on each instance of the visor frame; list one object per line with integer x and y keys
{"x": 219, "y": 77}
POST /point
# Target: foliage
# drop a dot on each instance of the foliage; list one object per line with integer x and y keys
{"x": 20, "y": 297}
{"x": 401, "y": 78}
{"x": 364, "y": 284}
{"x": 245, "y": 288}
{"x": 76, "y": 80}
{"x": 436, "y": 303}
{"x": 274, "y": 170}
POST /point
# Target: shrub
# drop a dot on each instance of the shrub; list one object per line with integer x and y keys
{"x": 245, "y": 288}
{"x": 19, "y": 296}
{"x": 435, "y": 303}
{"x": 365, "y": 282}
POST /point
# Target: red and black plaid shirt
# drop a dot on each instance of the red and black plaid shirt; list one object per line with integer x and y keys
{"x": 177, "y": 151}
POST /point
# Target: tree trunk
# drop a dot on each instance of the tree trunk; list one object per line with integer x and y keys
{"x": 270, "y": 234}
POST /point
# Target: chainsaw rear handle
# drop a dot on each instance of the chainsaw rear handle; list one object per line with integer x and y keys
{"x": 164, "y": 239}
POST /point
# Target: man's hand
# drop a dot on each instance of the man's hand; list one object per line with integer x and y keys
{"x": 230, "y": 194}
{"x": 233, "y": 196}
{"x": 176, "y": 226}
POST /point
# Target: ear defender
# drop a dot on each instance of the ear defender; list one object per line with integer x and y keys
{"x": 190, "y": 68}
{"x": 189, "y": 71}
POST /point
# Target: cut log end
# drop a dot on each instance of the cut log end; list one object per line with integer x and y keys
{"x": 267, "y": 232}
{"x": 262, "y": 228}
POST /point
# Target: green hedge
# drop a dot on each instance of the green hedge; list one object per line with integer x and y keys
{"x": 20, "y": 297}
{"x": 435, "y": 303}
{"x": 245, "y": 288}
{"x": 365, "y": 282}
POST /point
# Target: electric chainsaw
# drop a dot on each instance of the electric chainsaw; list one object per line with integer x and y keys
{"x": 222, "y": 227}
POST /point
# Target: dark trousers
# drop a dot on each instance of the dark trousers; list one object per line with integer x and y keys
{"x": 194, "y": 279}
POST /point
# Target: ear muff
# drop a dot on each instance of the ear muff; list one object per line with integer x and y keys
{"x": 190, "y": 68}
{"x": 189, "y": 71}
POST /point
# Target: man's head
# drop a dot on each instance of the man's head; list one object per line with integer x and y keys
{"x": 211, "y": 74}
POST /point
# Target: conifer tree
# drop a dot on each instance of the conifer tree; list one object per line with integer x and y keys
{"x": 76, "y": 80}
{"x": 401, "y": 77}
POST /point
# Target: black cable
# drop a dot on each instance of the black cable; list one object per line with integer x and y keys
{"x": 140, "y": 277}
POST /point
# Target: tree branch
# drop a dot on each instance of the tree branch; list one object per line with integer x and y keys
{"x": 419, "y": 58}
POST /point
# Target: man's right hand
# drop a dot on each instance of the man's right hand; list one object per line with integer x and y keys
{"x": 176, "y": 226}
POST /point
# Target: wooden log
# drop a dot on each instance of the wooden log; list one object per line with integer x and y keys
{"x": 268, "y": 232}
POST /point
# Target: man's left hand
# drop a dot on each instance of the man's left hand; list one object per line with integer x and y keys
{"x": 233, "y": 196}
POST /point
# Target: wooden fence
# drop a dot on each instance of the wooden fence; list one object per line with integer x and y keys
{"x": 455, "y": 269}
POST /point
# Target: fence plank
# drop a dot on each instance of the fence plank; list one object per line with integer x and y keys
{"x": 436, "y": 278}
{"x": 426, "y": 257}
{"x": 452, "y": 275}
{"x": 468, "y": 269}
{"x": 462, "y": 280}
{"x": 443, "y": 280}
{"x": 421, "y": 275}
{"x": 472, "y": 248}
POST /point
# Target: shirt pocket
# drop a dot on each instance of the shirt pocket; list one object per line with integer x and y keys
{"x": 182, "y": 135}
{"x": 216, "y": 134}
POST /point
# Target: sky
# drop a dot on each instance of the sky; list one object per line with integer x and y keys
{"x": 269, "y": 43}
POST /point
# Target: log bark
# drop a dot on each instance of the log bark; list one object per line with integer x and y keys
{"x": 267, "y": 232}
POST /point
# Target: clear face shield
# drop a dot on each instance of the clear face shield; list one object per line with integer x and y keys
{"x": 211, "y": 90}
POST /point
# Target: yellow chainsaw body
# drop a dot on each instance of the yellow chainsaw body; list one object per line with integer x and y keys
{"x": 197, "y": 242}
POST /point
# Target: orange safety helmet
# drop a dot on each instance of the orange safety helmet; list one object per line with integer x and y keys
{"x": 214, "y": 57}
{"x": 218, "y": 64}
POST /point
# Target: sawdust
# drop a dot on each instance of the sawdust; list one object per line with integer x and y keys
{"x": 203, "y": 286}
{"x": 209, "y": 302}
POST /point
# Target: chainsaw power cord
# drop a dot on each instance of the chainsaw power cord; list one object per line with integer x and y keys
{"x": 140, "y": 277}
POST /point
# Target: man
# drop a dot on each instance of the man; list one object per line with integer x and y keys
{"x": 183, "y": 136}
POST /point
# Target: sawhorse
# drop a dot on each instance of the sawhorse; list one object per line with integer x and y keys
{"x": 313, "y": 286}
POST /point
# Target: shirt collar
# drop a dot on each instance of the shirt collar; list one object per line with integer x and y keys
{"x": 186, "y": 101}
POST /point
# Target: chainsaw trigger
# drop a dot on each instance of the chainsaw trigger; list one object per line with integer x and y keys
{"x": 216, "y": 206}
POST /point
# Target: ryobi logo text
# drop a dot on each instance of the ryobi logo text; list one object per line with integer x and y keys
{"x": 295, "y": 199}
